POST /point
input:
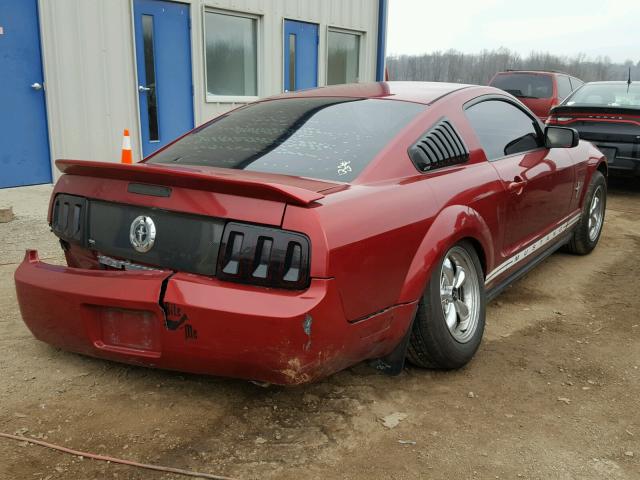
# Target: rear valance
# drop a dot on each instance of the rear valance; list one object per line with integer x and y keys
{"x": 190, "y": 178}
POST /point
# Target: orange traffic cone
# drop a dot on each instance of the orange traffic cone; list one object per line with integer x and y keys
{"x": 127, "y": 155}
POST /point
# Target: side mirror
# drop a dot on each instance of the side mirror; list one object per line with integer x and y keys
{"x": 561, "y": 137}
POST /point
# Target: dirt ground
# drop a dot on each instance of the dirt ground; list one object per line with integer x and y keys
{"x": 555, "y": 389}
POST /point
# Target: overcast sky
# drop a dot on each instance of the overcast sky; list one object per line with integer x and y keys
{"x": 563, "y": 27}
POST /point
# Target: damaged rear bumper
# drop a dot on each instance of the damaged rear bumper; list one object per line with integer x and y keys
{"x": 198, "y": 324}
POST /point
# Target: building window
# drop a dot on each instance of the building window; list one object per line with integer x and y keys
{"x": 231, "y": 50}
{"x": 343, "y": 60}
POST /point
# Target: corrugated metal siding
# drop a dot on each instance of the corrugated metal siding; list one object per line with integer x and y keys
{"x": 89, "y": 63}
{"x": 89, "y": 75}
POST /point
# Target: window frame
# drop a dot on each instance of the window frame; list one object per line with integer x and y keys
{"x": 538, "y": 126}
{"x": 212, "y": 98}
{"x": 361, "y": 39}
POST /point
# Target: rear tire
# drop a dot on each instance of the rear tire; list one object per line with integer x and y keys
{"x": 445, "y": 333}
{"x": 588, "y": 229}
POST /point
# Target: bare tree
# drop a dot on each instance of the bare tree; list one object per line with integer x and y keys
{"x": 479, "y": 68}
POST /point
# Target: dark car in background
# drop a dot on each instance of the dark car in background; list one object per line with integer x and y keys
{"x": 538, "y": 90}
{"x": 608, "y": 115}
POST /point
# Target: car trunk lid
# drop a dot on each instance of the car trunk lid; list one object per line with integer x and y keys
{"x": 293, "y": 190}
{"x": 96, "y": 205}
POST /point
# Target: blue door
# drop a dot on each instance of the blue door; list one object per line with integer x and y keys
{"x": 163, "y": 58}
{"x": 24, "y": 141}
{"x": 300, "y": 55}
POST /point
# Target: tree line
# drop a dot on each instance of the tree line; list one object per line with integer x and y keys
{"x": 479, "y": 68}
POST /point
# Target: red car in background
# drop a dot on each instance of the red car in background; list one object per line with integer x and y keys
{"x": 302, "y": 234}
{"x": 538, "y": 90}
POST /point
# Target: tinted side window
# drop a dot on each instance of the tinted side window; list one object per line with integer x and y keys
{"x": 564, "y": 87}
{"x": 502, "y": 128}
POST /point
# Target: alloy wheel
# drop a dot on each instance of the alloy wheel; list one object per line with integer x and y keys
{"x": 596, "y": 214}
{"x": 460, "y": 294}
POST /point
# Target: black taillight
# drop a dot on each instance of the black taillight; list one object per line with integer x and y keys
{"x": 68, "y": 218}
{"x": 263, "y": 256}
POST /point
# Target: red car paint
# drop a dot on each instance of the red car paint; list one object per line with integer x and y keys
{"x": 374, "y": 242}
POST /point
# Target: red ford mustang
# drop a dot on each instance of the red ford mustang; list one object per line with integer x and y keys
{"x": 299, "y": 235}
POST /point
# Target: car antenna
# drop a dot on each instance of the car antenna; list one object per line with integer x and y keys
{"x": 629, "y": 80}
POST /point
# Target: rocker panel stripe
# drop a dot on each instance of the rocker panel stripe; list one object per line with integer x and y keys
{"x": 527, "y": 251}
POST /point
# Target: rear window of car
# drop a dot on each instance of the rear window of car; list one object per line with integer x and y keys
{"x": 325, "y": 138}
{"x": 524, "y": 85}
{"x": 609, "y": 95}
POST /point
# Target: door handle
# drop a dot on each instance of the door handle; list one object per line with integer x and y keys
{"x": 517, "y": 185}
{"x": 36, "y": 86}
{"x": 142, "y": 88}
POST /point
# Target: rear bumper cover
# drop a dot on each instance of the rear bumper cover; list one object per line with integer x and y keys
{"x": 197, "y": 324}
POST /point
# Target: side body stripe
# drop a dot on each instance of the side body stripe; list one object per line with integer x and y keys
{"x": 531, "y": 248}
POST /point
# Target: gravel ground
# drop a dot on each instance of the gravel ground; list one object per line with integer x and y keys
{"x": 553, "y": 392}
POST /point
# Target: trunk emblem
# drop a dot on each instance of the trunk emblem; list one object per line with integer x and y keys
{"x": 142, "y": 233}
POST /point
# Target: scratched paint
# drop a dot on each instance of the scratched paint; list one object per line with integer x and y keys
{"x": 306, "y": 326}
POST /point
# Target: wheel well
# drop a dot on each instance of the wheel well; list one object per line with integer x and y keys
{"x": 480, "y": 252}
{"x": 602, "y": 168}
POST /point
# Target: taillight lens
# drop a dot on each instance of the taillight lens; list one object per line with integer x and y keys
{"x": 68, "y": 218}
{"x": 553, "y": 120}
{"x": 263, "y": 256}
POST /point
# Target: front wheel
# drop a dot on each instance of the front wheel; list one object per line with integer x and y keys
{"x": 589, "y": 227}
{"x": 450, "y": 319}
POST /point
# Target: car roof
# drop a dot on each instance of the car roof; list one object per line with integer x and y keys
{"x": 417, "y": 92}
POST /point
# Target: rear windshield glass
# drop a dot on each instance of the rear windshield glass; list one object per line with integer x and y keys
{"x": 323, "y": 138}
{"x": 610, "y": 95}
{"x": 524, "y": 85}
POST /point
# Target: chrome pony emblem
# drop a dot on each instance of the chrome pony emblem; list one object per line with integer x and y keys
{"x": 142, "y": 233}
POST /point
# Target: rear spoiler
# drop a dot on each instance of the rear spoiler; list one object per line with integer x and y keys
{"x": 604, "y": 109}
{"x": 188, "y": 178}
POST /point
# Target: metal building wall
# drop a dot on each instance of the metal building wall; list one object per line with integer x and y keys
{"x": 89, "y": 63}
{"x": 361, "y": 15}
{"x": 88, "y": 59}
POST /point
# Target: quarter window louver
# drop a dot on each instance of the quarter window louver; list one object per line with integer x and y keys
{"x": 440, "y": 146}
